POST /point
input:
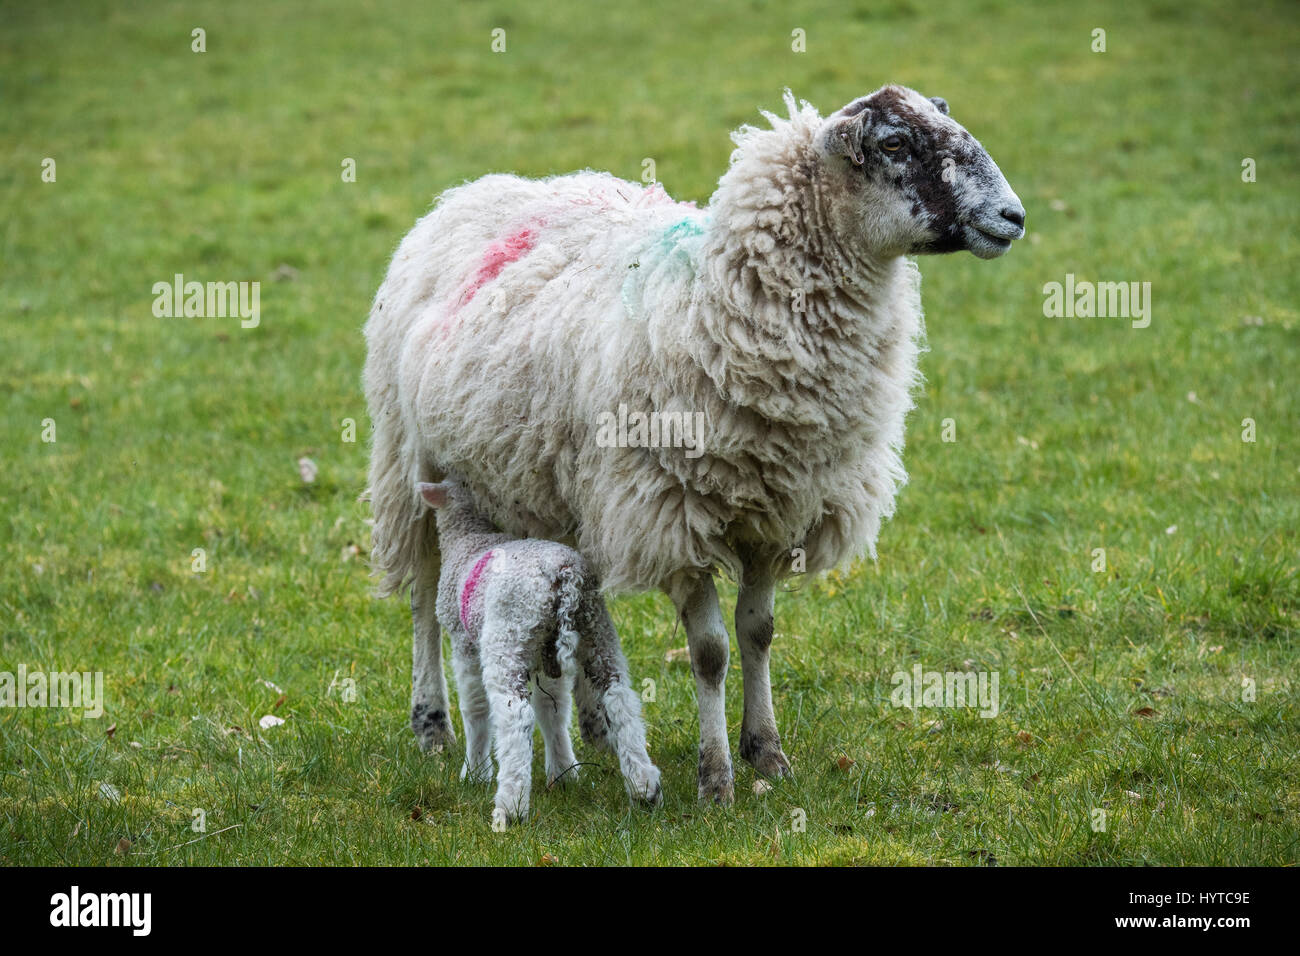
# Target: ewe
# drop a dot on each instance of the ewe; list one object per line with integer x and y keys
{"x": 518, "y": 314}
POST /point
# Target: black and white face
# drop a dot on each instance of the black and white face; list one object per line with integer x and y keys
{"x": 905, "y": 178}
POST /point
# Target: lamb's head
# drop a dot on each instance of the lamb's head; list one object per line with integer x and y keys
{"x": 455, "y": 506}
{"x": 904, "y": 178}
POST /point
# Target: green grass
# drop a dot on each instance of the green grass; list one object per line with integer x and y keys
{"x": 1072, "y": 434}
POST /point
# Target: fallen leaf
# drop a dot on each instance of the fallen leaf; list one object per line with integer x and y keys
{"x": 548, "y": 859}
{"x": 678, "y": 654}
{"x": 123, "y": 845}
{"x": 112, "y": 729}
{"x": 845, "y": 762}
{"x": 761, "y": 786}
{"x": 1144, "y": 712}
{"x": 110, "y": 793}
{"x": 1025, "y": 737}
{"x": 269, "y": 721}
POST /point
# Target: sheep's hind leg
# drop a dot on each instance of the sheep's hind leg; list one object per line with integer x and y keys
{"x": 593, "y": 722}
{"x": 430, "y": 720}
{"x": 601, "y": 660}
{"x": 552, "y": 707}
{"x": 760, "y": 743}
{"x": 696, "y": 600}
{"x": 509, "y": 686}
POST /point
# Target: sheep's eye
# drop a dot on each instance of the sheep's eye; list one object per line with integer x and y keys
{"x": 893, "y": 144}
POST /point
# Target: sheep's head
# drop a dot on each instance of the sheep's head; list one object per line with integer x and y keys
{"x": 905, "y": 178}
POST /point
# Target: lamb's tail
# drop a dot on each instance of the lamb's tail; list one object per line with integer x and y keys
{"x": 570, "y": 584}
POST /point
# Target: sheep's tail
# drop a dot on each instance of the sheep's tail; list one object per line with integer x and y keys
{"x": 403, "y": 536}
{"x": 570, "y": 587}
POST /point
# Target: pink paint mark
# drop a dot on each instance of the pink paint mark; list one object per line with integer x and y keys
{"x": 471, "y": 585}
{"x": 495, "y": 258}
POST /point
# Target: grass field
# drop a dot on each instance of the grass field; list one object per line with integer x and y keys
{"x": 1161, "y": 690}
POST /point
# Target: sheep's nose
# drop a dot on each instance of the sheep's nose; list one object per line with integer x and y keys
{"x": 1014, "y": 214}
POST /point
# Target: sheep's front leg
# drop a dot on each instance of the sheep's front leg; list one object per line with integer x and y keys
{"x": 509, "y": 690}
{"x": 474, "y": 709}
{"x": 760, "y": 743}
{"x": 430, "y": 720}
{"x": 696, "y": 600}
{"x": 551, "y": 704}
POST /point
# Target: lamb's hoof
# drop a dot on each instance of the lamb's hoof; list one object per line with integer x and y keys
{"x": 762, "y": 751}
{"x": 503, "y": 819}
{"x": 432, "y": 728}
{"x": 717, "y": 785}
{"x": 594, "y": 728}
{"x": 561, "y": 778}
{"x": 482, "y": 773}
{"x": 647, "y": 790}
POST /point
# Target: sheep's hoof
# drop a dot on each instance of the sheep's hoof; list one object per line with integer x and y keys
{"x": 503, "y": 819}
{"x": 654, "y": 797}
{"x": 594, "y": 727}
{"x": 561, "y": 778}
{"x": 762, "y": 751}
{"x": 432, "y": 728}
{"x": 647, "y": 790}
{"x": 480, "y": 773}
{"x": 716, "y": 781}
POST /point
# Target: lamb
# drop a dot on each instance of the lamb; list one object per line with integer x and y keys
{"x": 524, "y": 615}
{"x": 518, "y": 315}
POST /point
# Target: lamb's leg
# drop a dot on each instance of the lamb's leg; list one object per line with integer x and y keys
{"x": 551, "y": 704}
{"x": 601, "y": 661}
{"x": 509, "y": 690}
{"x": 430, "y": 719}
{"x": 474, "y": 710}
{"x": 593, "y": 722}
{"x": 696, "y": 600}
{"x": 760, "y": 743}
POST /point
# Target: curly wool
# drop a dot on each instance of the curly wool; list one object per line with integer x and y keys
{"x": 517, "y": 312}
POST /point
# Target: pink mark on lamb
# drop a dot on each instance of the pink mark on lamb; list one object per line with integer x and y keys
{"x": 496, "y": 257}
{"x": 471, "y": 585}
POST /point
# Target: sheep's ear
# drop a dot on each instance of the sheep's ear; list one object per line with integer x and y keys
{"x": 940, "y": 102}
{"x": 435, "y": 495}
{"x": 846, "y": 135}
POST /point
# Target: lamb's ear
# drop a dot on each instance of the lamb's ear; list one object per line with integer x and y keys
{"x": 435, "y": 495}
{"x": 846, "y": 132}
{"x": 940, "y": 102}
